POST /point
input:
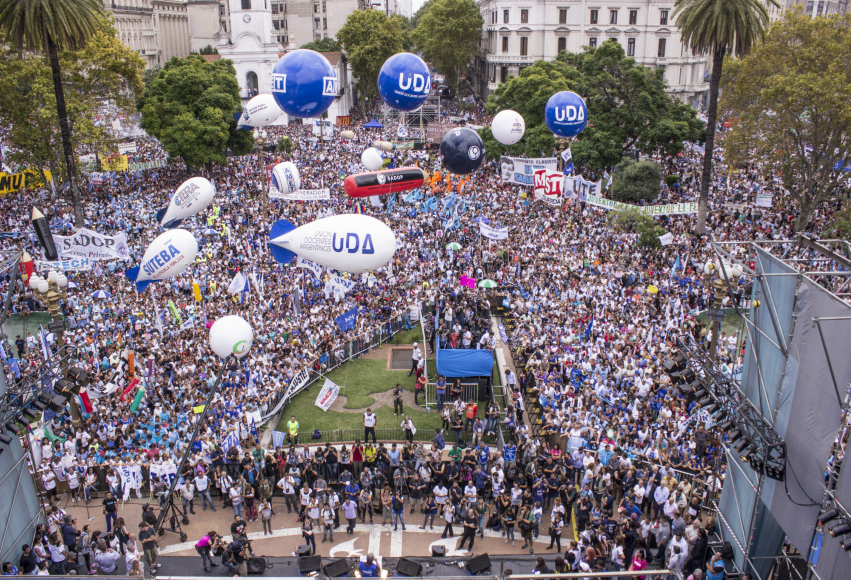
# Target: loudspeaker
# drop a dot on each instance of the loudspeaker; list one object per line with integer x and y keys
{"x": 676, "y": 363}
{"x": 309, "y": 563}
{"x": 303, "y": 551}
{"x": 478, "y": 564}
{"x": 684, "y": 376}
{"x": 438, "y": 551}
{"x": 256, "y": 565}
{"x": 336, "y": 568}
{"x": 407, "y": 567}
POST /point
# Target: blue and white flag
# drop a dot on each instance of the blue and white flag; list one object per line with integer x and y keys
{"x": 566, "y": 155}
{"x": 230, "y": 440}
{"x": 347, "y": 320}
{"x": 311, "y": 266}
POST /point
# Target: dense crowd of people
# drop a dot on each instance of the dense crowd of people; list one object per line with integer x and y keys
{"x": 596, "y": 436}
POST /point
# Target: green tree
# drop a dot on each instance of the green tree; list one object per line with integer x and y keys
{"x": 407, "y": 31}
{"x": 50, "y": 27}
{"x": 149, "y": 75}
{"x": 418, "y": 15}
{"x": 449, "y": 34}
{"x": 369, "y": 38}
{"x": 637, "y": 222}
{"x": 327, "y": 44}
{"x": 190, "y": 107}
{"x": 633, "y": 181}
{"x": 791, "y": 95}
{"x": 285, "y": 144}
{"x": 718, "y": 27}
{"x": 208, "y": 50}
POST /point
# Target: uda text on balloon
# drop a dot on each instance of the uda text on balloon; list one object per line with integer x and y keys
{"x": 404, "y": 82}
{"x": 566, "y": 114}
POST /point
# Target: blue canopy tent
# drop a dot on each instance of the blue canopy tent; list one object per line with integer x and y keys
{"x": 373, "y": 124}
{"x": 470, "y": 364}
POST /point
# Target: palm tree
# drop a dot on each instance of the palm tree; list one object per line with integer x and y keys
{"x": 50, "y": 26}
{"x": 718, "y": 27}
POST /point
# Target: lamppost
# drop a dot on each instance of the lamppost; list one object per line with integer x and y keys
{"x": 726, "y": 274}
{"x": 54, "y": 289}
{"x": 260, "y": 140}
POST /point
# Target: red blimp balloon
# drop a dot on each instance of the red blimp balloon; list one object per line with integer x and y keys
{"x": 384, "y": 182}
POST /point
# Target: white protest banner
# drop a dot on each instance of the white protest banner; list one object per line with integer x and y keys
{"x": 669, "y": 209}
{"x": 88, "y": 244}
{"x": 521, "y": 171}
{"x": 88, "y": 162}
{"x": 493, "y": 233}
{"x": 297, "y": 383}
{"x": 125, "y": 148}
{"x": 73, "y": 265}
{"x": 101, "y": 391}
{"x": 548, "y": 186}
{"x": 301, "y": 194}
{"x": 581, "y": 188}
{"x": 327, "y": 395}
{"x": 763, "y": 199}
{"x": 335, "y": 282}
{"x": 188, "y": 324}
{"x": 145, "y": 165}
{"x": 667, "y": 239}
{"x": 311, "y": 266}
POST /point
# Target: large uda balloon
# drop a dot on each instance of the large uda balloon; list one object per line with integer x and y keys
{"x": 462, "y": 151}
{"x": 190, "y": 198}
{"x": 346, "y": 242}
{"x": 260, "y": 111}
{"x": 508, "y": 127}
{"x": 304, "y": 83}
{"x": 384, "y": 182}
{"x": 286, "y": 178}
{"x": 404, "y": 82}
{"x": 231, "y": 335}
{"x": 566, "y": 114}
{"x": 371, "y": 159}
{"x": 167, "y": 256}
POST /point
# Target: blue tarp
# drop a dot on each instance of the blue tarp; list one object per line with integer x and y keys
{"x": 464, "y": 363}
{"x": 373, "y": 124}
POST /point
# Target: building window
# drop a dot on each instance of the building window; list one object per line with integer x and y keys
{"x": 630, "y": 47}
{"x": 661, "y": 52}
{"x": 504, "y": 44}
{"x": 316, "y": 22}
{"x": 274, "y": 8}
{"x": 613, "y": 16}
{"x": 524, "y": 17}
{"x": 316, "y": 8}
{"x": 663, "y": 18}
{"x": 505, "y": 16}
{"x": 633, "y": 16}
{"x": 503, "y": 73}
{"x": 562, "y": 16}
{"x": 592, "y": 42}
{"x": 323, "y": 5}
{"x": 275, "y": 24}
{"x": 224, "y": 26}
{"x": 246, "y": 4}
{"x": 594, "y": 17}
{"x": 524, "y": 46}
{"x": 324, "y": 24}
{"x": 221, "y": 10}
{"x": 562, "y": 44}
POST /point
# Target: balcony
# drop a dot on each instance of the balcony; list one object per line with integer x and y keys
{"x": 495, "y": 58}
{"x": 119, "y": 8}
{"x": 492, "y": 86}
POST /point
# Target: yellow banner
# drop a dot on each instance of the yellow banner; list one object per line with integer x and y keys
{"x": 115, "y": 163}
{"x": 12, "y": 182}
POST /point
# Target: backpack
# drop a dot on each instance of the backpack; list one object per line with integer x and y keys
{"x": 397, "y": 505}
{"x": 727, "y": 551}
{"x": 317, "y": 434}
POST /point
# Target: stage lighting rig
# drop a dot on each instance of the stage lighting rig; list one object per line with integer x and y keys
{"x": 827, "y": 517}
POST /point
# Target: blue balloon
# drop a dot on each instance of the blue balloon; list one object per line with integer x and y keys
{"x": 566, "y": 114}
{"x": 304, "y": 83}
{"x": 462, "y": 151}
{"x": 404, "y": 81}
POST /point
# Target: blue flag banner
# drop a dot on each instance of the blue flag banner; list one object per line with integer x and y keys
{"x": 231, "y": 440}
{"x": 347, "y": 320}
{"x": 278, "y": 438}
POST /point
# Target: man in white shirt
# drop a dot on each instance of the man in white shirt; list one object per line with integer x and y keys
{"x": 369, "y": 420}
{"x": 202, "y": 484}
{"x": 440, "y": 495}
{"x": 416, "y": 355}
{"x": 287, "y": 485}
{"x": 187, "y": 492}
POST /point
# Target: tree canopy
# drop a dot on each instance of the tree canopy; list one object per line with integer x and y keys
{"x": 327, "y": 44}
{"x": 189, "y": 107}
{"x": 448, "y": 34}
{"x": 628, "y": 106}
{"x": 369, "y": 38}
{"x": 633, "y": 181}
{"x": 791, "y": 98}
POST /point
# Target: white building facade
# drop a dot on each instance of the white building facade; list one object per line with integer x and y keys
{"x": 517, "y": 34}
{"x": 156, "y": 29}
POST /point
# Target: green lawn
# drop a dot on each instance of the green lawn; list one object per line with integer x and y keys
{"x": 411, "y": 336}
{"x": 311, "y": 417}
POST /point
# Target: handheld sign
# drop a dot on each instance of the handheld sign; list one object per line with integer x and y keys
{"x": 347, "y": 242}
{"x": 192, "y": 197}
{"x": 168, "y": 255}
{"x": 383, "y": 182}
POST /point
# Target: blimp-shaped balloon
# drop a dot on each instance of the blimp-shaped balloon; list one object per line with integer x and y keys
{"x": 168, "y": 255}
{"x": 193, "y": 196}
{"x": 260, "y": 111}
{"x": 371, "y": 159}
{"x": 566, "y": 114}
{"x": 304, "y": 83}
{"x": 286, "y": 178}
{"x": 346, "y": 242}
{"x": 384, "y": 182}
{"x": 462, "y": 151}
{"x": 404, "y": 82}
{"x": 508, "y": 127}
{"x": 383, "y": 145}
{"x": 231, "y": 335}
{"x": 347, "y": 135}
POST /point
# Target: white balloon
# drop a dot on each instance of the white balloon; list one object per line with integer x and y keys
{"x": 260, "y": 111}
{"x": 371, "y": 159}
{"x": 191, "y": 197}
{"x": 508, "y": 127}
{"x": 231, "y": 335}
{"x": 347, "y": 134}
{"x": 286, "y": 178}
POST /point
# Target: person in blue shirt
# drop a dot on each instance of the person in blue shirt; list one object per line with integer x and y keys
{"x": 369, "y": 568}
{"x": 483, "y": 454}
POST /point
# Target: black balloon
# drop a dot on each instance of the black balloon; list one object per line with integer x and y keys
{"x": 45, "y": 238}
{"x": 462, "y": 151}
